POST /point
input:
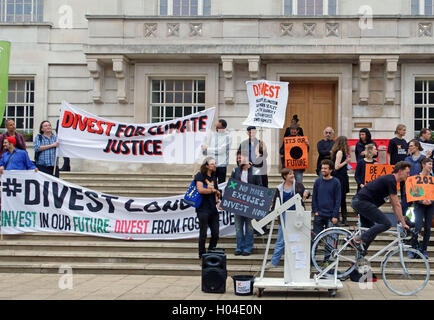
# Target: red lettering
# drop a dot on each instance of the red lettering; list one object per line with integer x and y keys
{"x": 68, "y": 119}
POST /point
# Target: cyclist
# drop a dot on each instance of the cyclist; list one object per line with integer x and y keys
{"x": 372, "y": 196}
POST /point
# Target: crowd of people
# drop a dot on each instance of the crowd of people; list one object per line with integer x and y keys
{"x": 329, "y": 194}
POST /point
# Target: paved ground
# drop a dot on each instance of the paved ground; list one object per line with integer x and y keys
{"x": 132, "y": 287}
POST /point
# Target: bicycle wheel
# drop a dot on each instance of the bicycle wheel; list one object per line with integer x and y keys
{"x": 330, "y": 245}
{"x": 405, "y": 276}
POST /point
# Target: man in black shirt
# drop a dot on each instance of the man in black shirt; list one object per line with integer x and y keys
{"x": 372, "y": 196}
{"x": 324, "y": 146}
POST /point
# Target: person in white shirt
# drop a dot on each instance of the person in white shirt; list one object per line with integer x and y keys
{"x": 218, "y": 147}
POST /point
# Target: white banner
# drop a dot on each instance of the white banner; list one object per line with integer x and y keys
{"x": 86, "y": 136}
{"x": 36, "y": 202}
{"x": 426, "y": 147}
{"x": 267, "y": 103}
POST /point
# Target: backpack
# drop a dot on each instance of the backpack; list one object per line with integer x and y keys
{"x": 38, "y": 153}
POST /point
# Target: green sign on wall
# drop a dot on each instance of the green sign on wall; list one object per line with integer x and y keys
{"x": 5, "y": 49}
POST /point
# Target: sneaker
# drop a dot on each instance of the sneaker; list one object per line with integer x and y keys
{"x": 359, "y": 246}
{"x": 410, "y": 254}
{"x": 269, "y": 266}
{"x": 237, "y": 253}
{"x": 245, "y": 253}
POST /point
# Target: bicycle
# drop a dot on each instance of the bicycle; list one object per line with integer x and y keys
{"x": 334, "y": 255}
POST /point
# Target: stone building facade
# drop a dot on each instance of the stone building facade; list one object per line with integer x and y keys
{"x": 350, "y": 63}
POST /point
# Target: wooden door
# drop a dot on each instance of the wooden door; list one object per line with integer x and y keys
{"x": 315, "y": 105}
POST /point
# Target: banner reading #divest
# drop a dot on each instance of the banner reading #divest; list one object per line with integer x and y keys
{"x": 36, "y": 202}
{"x": 87, "y": 136}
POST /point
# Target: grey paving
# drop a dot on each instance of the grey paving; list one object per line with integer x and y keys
{"x": 18, "y": 286}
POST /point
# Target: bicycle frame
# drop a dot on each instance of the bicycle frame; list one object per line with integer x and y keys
{"x": 391, "y": 246}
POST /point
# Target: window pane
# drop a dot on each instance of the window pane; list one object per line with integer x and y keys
{"x": 431, "y": 113}
{"x": 414, "y": 7}
{"x": 169, "y": 85}
{"x": 178, "y": 112}
{"x": 301, "y": 7}
{"x": 188, "y": 85}
{"x": 169, "y": 97}
{"x": 201, "y": 98}
{"x": 155, "y": 85}
{"x": 431, "y": 124}
{"x": 188, "y": 97}
{"x": 431, "y": 98}
{"x": 418, "y": 98}
{"x": 188, "y": 111}
{"x": 418, "y": 125}
{"x": 332, "y": 7}
{"x": 156, "y": 97}
{"x": 11, "y": 112}
{"x": 418, "y": 85}
{"x": 178, "y": 85}
{"x": 287, "y": 10}
{"x": 428, "y": 7}
{"x": 431, "y": 85}
{"x": 163, "y": 7}
{"x": 318, "y": 7}
{"x": 206, "y": 7}
{"x": 418, "y": 113}
{"x": 201, "y": 85}
{"x": 178, "y": 97}
{"x": 169, "y": 112}
{"x": 310, "y": 7}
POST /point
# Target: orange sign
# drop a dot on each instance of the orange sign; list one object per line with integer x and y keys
{"x": 419, "y": 188}
{"x": 296, "y": 154}
{"x": 373, "y": 171}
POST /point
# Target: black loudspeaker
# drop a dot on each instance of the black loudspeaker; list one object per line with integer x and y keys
{"x": 214, "y": 273}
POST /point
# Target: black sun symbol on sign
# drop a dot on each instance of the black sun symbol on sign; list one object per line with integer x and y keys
{"x": 296, "y": 153}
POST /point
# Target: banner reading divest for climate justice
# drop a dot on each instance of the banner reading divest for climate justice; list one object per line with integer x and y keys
{"x": 86, "y": 136}
{"x": 267, "y": 103}
{"x": 36, "y": 202}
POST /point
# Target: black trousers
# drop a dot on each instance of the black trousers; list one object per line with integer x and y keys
{"x": 48, "y": 170}
{"x": 221, "y": 174}
{"x": 208, "y": 219}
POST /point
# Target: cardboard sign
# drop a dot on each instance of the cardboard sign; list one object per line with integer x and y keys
{"x": 373, "y": 171}
{"x": 382, "y": 145}
{"x": 247, "y": 200}
{"x": 267, "y": 103}
{"x": 418, "y": 188}
{"x": 296, "y": 153}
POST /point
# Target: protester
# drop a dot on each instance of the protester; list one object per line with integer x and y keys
{"x": 425, "y": 137}
{"x": 424, "y": 213}
{"x": 243, "y": 225}
{"x": 45, "y": 144}
{"x": 369, "y": 158}
{"x": 294, "y": 123}
{"x": 218, "y": 147}
{"x": 324, "y": 147}
{"x": 326, "y": 198}
{"x": 293, "y": 132}
{"x": 14, "y": 158}
{"x": 11, "y": 131}
{"x": 366, "y": 203}
{"x": 207, "y": 212}
{"x": 285, "y": 191}
{"x": 398, "y": 147}
{"x": 257, "y": 152}
{"x": 364, "y": 139}
{"x": 66, "y": 161}
{"x": 341, "y": 157}
{"x": 414, "y": 158}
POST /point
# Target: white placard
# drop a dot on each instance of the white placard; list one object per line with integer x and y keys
{"x": 267, "y": 103}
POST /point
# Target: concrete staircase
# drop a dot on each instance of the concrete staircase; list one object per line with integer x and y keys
{"x": 47, "y": 252}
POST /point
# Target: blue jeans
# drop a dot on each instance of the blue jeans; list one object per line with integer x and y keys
{"x": 279, "y": 246}
{"x": 243, "y": 234}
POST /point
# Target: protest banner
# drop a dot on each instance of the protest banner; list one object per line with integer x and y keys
{"x": 86, "y": 136}
{"x": 267, "y": 103}
{"x": 373, "y": 171}
{"x": 36, "y": 202}
{"x": 296, "y": 153}
{"x": 382, "y": 145}
{"x": 5, "y": 49}
{"x": 426, "y": 147}
{"x": 247, "y": 200}
{"x": 418, "y": 188}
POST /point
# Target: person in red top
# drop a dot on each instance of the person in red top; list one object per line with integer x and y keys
{"x": 12, "y": 132}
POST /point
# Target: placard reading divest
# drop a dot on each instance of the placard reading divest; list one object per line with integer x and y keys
{"x": 247, "y": 200}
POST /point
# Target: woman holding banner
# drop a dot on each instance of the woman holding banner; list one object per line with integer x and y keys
{"x": 424, "y": 213}
{"x": 45, "y": 145}
{"x": 206, "y": 183}
{"x": 243, "y": 225}
{"x": 414, "y": 149}
{"x": 341, "y": 157}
